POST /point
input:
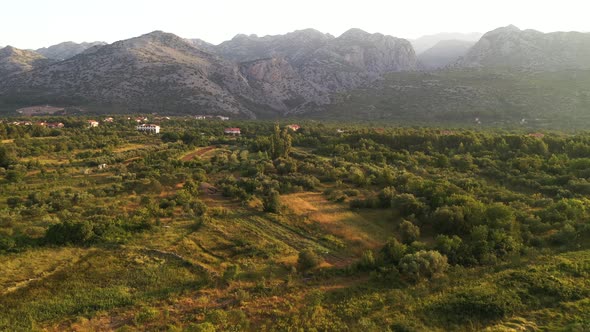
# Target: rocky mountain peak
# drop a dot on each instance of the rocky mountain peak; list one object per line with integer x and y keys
{"x": 7, "y": 50}
{"x": 355, "y": 34}
{"x": 14, "y": 60}
{"x": 514, "y": 48}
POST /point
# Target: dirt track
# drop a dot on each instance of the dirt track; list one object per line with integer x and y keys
{"x": 200, "y": 152}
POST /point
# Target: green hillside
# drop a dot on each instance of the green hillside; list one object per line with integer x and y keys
{"x": 496, "y": 97}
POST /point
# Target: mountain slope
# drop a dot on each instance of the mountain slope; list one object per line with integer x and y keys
{"x": 444, "y": 53}
{"x": 494, "y": 96}
{"x": 512, "y": 47}
{"x": 66, "y": 50}
{"x": 154, "y": 72}
{"x": 14, "y": 61}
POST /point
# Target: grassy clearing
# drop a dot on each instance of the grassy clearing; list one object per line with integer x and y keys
{"x": 359, "y": 230}
{"x": 102, "y": 280}
{"x": 18, "y": 270}
{"x": 129, "y": 147}
{"x": 199, "y": 152}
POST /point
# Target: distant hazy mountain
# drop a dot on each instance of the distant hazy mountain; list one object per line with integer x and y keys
{"x": 444, "y": 53}
{"x": 511, "y": 47}
{"x": 66, "y": 50}
{"x": 15, "y": 61}
{"x": 425, "y": 42}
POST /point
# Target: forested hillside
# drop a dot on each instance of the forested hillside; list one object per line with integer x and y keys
{"x": 495, "y": 97}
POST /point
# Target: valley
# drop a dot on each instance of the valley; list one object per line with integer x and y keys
{"x": 337, "y": 226}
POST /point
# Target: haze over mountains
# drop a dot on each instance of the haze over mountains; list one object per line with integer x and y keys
{"x": 301, "y": 72}
{"x": 66, "y": 50}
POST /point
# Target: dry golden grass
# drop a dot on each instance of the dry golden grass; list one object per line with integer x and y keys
{"x": 129, "y": 147}
{"x": 359, "y": 230}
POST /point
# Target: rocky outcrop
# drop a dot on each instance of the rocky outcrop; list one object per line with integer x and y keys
{"x": 321, "y": 64}
{"x": 66, "y": 50}
{"x": 514, "y": 48}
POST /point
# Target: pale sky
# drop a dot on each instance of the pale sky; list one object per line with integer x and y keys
{"x": 37, "y": 23}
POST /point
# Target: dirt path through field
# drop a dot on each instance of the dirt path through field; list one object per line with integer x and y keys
{"x": 199, "y": 153}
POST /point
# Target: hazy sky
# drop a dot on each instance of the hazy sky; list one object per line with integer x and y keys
{"x": 38, "y": 23}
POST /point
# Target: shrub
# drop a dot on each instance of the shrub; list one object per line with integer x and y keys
{"x": 409, "y": 232}
{"x": 308, "y": 260}
{"x": 477, "y": 304}
{"x": 423, "y": 264}
{"x": 69, "y": 232}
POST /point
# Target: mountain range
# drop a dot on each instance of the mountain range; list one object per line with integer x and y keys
{"x": 300, "y": 73}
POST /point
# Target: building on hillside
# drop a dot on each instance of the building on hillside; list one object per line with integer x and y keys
{"x": 141, "y": 119}
{"x": 223, "y": 118}
{"x": 92, "y": 123}
{"x": 109, "y": 119}
{"x": 26, "y": 123}
{"x": 53, "y": 125}
{"x": 149, "y": 128}
{"x": 232, "y": 131}
{"x": 294, "y": 127}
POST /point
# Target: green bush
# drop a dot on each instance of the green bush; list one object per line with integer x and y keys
{"x": 308, "y": 260}
{"x": 477, "y": 305}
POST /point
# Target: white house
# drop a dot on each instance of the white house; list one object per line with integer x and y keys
{"x": 149, "y": 128}
{"x": 232, "y": 131}
{"x": 92, "y": 123}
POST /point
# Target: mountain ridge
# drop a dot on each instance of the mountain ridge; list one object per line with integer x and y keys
{"x": 162, "y": 72}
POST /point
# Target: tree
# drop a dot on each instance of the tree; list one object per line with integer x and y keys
{"x": 408, "y": 204}
{"x": 271, "y": 201}
{"x": 409, "y": 232}
{"x": 7, "y": 157}
{"x": 69, "y": 232}
{"x": 450, "y": 220}
{"x": 393, "y": 251}
{"x": 308, "y": 260}
{"x": 423, "y": 264}
{"x": 280, "y": 143}
{"x": 449, "y": 246}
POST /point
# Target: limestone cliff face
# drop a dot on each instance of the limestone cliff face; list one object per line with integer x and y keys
{"x": 321, "y": 64}
{"x": 281, "y": 86}
{"x": 514, "y": 48}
